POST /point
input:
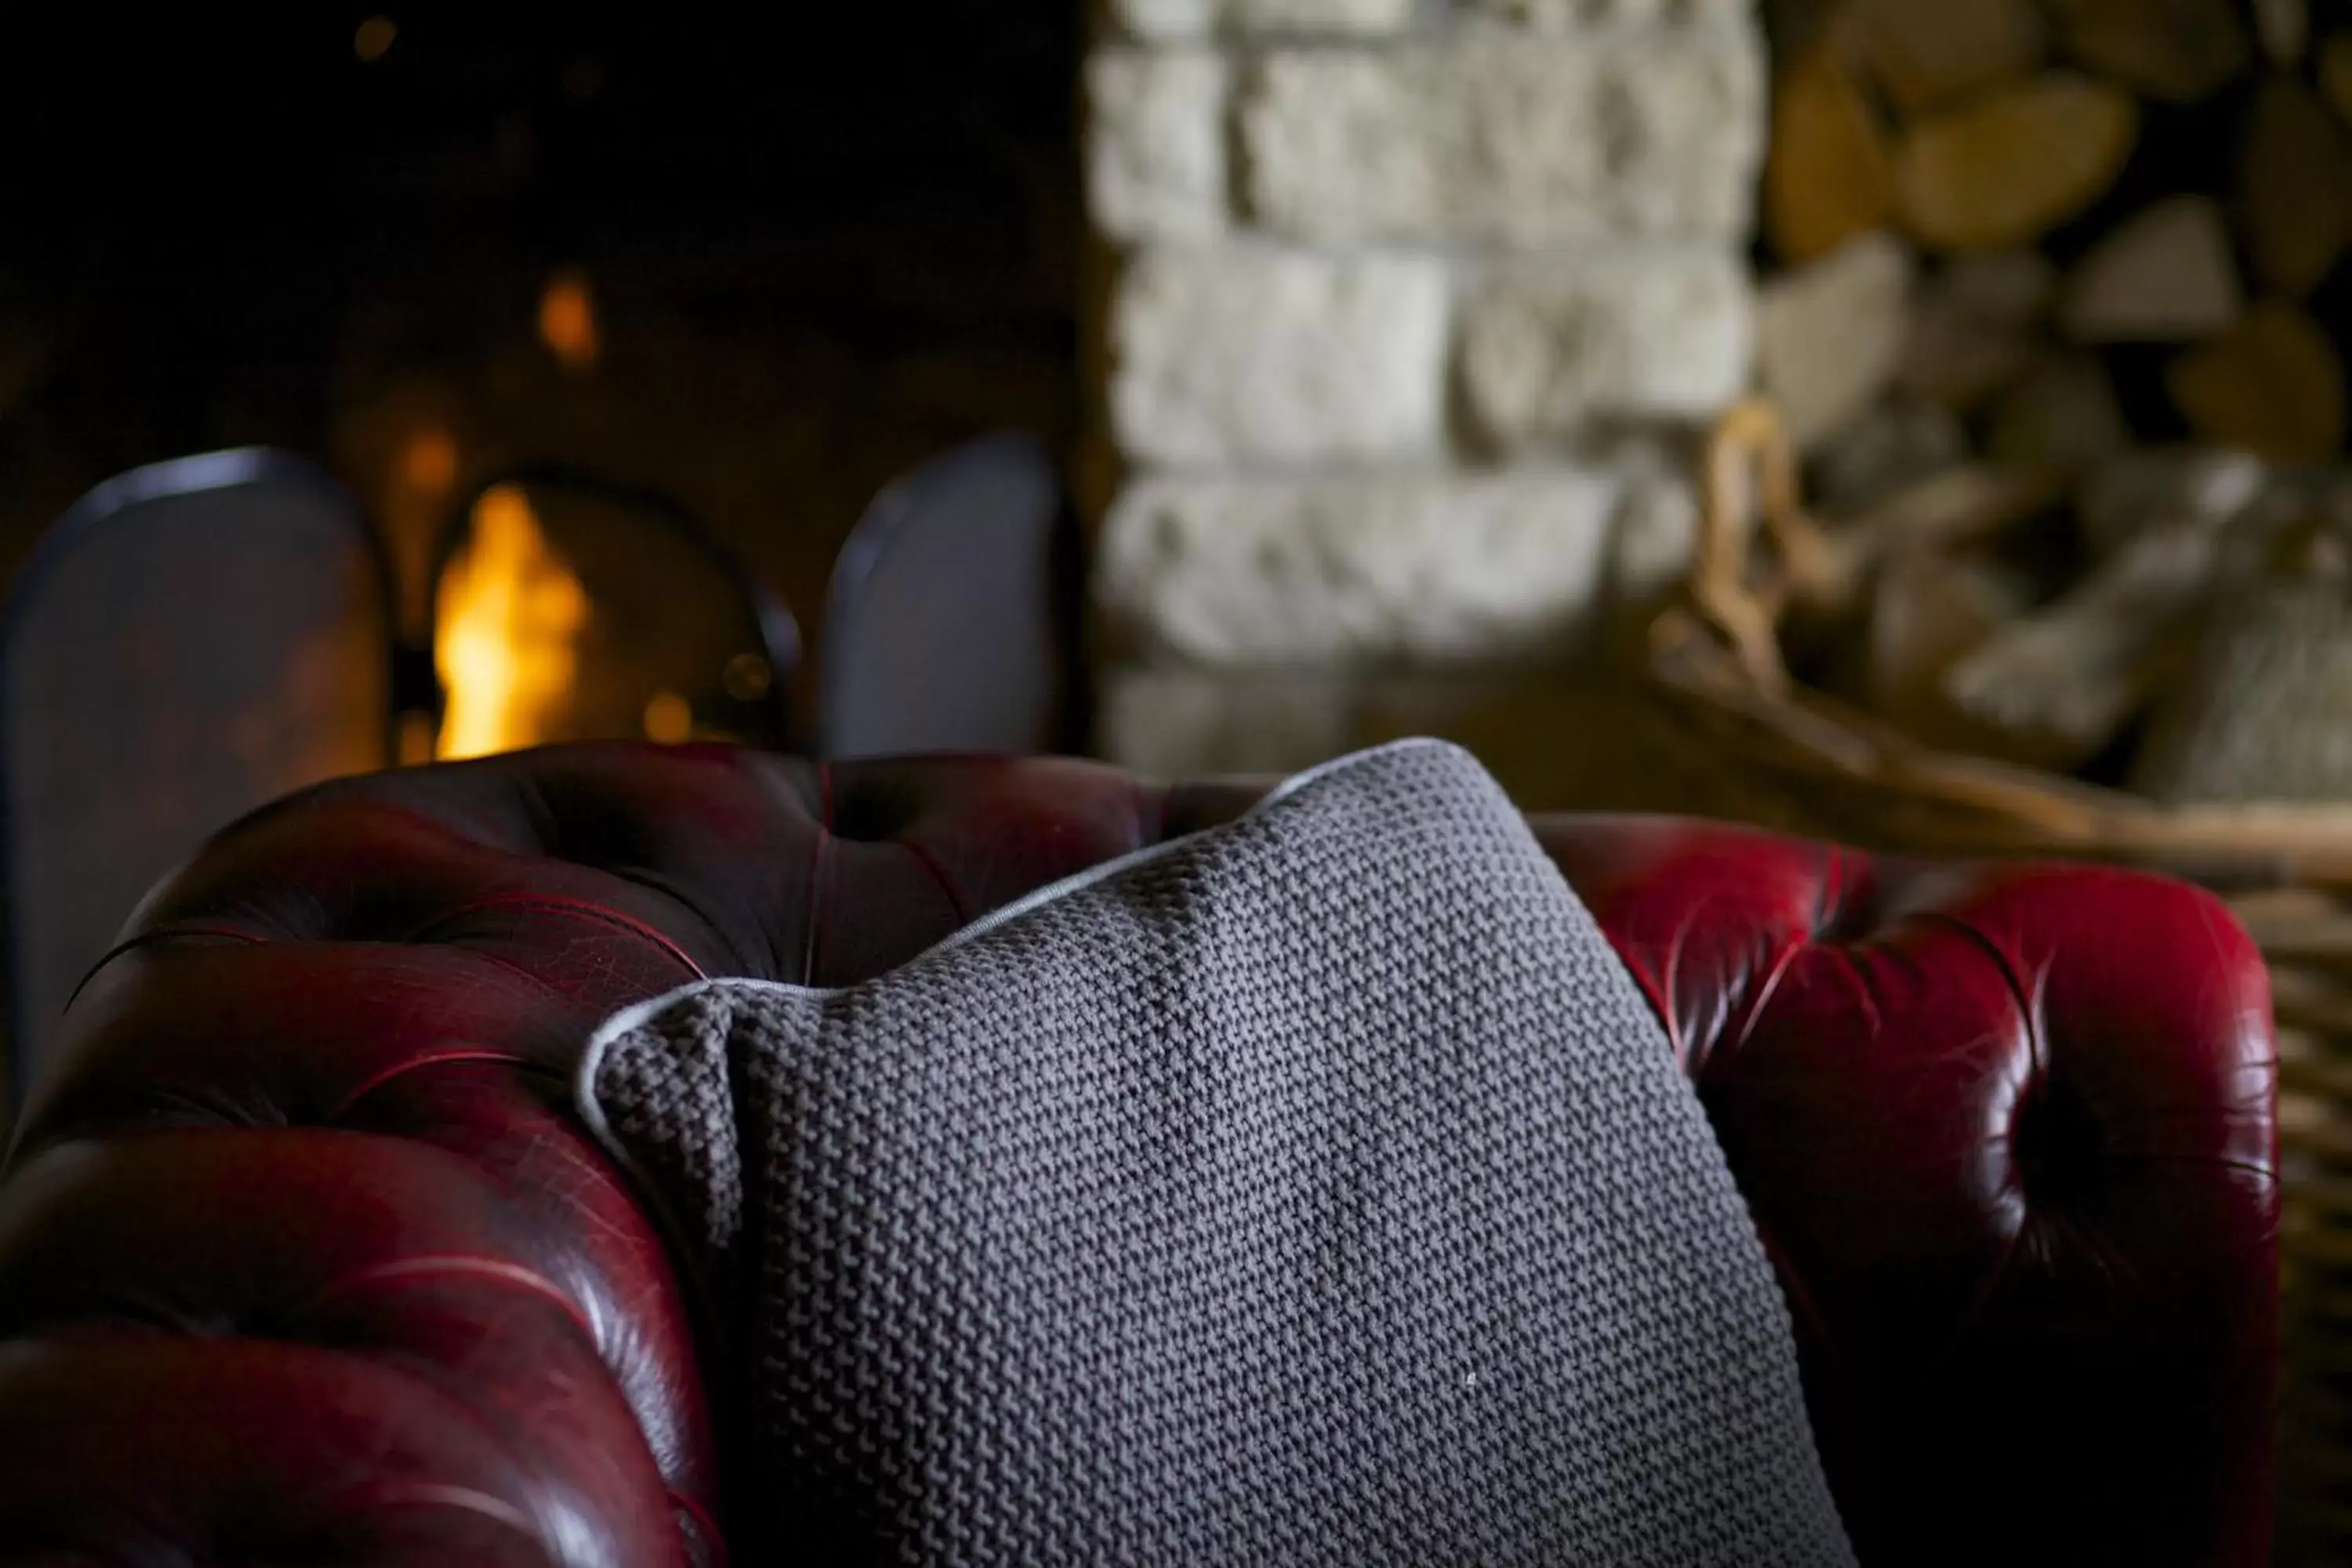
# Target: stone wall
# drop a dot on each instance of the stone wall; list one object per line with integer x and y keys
{"x": 1406, "y": 308}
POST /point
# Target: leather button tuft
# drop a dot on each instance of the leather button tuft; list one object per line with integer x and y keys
{"x": 870, "y": 807}
{"x": 2057, "y": 1143}
{"x": 1851, "y": 905}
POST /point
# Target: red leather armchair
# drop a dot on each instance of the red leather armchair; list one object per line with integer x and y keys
{"x": 302, "y": 1257}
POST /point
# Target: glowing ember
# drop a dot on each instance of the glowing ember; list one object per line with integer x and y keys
{"x": 374, "y": 37}
{"x": 748, "y": 677}
{"x": 428, "y": 463}
{"x": 567, "y": 321}
{"x": 507, "y": 629}
{"x": 670, "y": 719}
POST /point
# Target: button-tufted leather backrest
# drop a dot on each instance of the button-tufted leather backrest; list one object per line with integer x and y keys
{"x": 302, "y": 1256}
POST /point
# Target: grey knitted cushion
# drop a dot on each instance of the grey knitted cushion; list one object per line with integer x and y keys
{"x": 1315, "y": 1190}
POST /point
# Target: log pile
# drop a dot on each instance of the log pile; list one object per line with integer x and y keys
{"x": 2087, "y": 263}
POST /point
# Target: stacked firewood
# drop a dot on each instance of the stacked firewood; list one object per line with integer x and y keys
{"x": 2053, "y": 309}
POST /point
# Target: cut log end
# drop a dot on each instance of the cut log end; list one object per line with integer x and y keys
{"x": 2008, "y": 168}
{"x": 2274, "y": 386}
{"x": 2294, "y": 182}
{"x": 2176, "y": 52}
{"x": 1927, "y": 56}
{"x": 2166, "y": 275}
{"x": 1828, "y": 178}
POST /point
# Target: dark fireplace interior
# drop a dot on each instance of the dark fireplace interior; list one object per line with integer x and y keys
{"x": 761, "y": 267}
{"x": 709, "y": 288}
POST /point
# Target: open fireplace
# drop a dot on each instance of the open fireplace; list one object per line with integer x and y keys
{"x": 597, "y": 340}
{"x": 201, "y": 636}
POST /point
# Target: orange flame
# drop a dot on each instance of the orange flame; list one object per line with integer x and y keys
{"x": 507, "y": 630}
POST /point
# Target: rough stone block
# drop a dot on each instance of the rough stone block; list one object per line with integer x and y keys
{"x": 1359, "y": 19}
{"x": 1223, "y": 357}
{"x": 1360, "y": 569}
{"x": 1646, "y": 334}
{"x": 1656, "y": 537}
{"x": 1156, "y": 143}
{"x": 1498, "y": 138}
{"x": 1163, "y": 19}
{"x": 1572, "y": 16}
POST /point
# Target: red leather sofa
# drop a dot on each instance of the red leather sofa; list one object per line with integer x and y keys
{"x": 304, "y": 1259}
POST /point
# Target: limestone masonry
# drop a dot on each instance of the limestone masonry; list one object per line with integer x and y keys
{"x": 1409, "y": 303}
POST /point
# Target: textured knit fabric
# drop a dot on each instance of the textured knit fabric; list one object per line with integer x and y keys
{"x": 1314, "y": 1190}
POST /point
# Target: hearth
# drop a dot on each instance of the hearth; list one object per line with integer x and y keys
{"x": 200, "y": 637}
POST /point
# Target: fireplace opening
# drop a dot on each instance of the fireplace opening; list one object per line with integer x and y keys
{"x": 569, "y": 608}
{"x": 761, "y": 274}
{"x": 607, "y": 330}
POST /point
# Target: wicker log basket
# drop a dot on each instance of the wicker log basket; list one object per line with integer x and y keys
{"x": 1807, "y": 763}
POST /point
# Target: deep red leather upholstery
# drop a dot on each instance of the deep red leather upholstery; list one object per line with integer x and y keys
{"x": 302, "y": 1258}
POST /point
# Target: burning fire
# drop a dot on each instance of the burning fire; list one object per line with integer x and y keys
{"x": 510, "y": 616}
